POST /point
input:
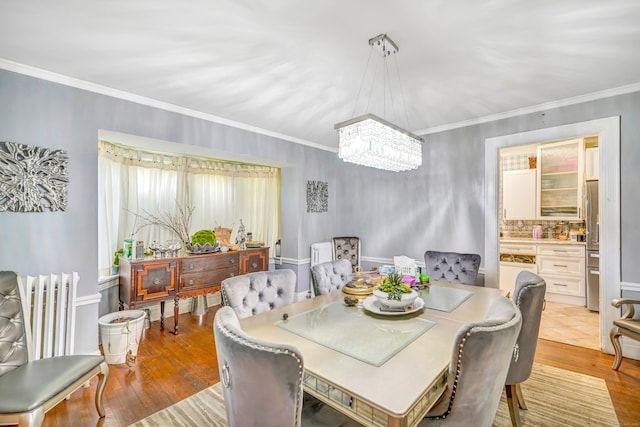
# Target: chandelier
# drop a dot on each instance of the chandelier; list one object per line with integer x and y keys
{"x": 371, "y": 141}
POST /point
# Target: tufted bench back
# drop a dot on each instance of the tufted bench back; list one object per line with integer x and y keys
{"x": 452, "y": 267}
{"x": 258, "y": 292}
{"x": 330, "y": 276}
{"x": 13, "y": 334}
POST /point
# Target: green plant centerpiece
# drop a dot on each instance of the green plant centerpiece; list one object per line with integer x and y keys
{"x": 393, "y": 285}
{"x": 202, "y": 241}
{"x": 393, "y": 292}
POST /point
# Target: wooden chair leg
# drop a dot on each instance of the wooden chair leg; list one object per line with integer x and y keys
{"x": 520, "y": 396}
{"x": 614, "y": 335}
{"x": 512, "y": 402}
{"x": 103, "y": 376}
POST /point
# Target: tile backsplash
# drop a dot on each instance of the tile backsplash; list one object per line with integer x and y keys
{"x": 524, "y": 228}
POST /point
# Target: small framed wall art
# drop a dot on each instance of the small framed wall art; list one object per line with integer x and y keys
{"x": 317, "y": 196}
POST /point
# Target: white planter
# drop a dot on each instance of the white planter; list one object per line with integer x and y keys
{"x": 407, "y": 299}
{"x": 119, "y": 338}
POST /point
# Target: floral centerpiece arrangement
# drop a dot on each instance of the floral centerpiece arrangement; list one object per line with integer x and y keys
{"x": 393, "y": 292}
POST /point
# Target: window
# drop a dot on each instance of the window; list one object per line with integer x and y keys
{"x": 133, "y": 182}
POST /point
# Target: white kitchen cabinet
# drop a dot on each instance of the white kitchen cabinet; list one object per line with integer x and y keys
{"x": 560, "y": 176}
{"x": 519, "y": 194}
{"x": 563, "y": 269}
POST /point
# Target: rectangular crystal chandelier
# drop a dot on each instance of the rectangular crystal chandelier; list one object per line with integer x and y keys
{"x": 371, "y": 141}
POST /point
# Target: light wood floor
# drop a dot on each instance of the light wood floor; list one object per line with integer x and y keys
{"x": 170, "y": 368}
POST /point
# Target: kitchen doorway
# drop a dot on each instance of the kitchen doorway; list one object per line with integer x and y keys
{"x": 568, "y": 318}
{"x": 608, "y": 131}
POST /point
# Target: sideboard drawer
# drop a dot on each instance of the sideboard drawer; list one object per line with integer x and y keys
{"x": 208, "y": 279}
{"x": 195, "y": 264}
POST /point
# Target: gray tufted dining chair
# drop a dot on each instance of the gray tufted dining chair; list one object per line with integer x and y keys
{"x": 528, "y": 296}
{"x": 261, "y": 380}
{"x": 478, "y": 368}
{"x": 29, "y": 388}
{"x": 452, "y": 267}
{"x": 330, "y": 276}
{"x": 258, "y": 292}
{"x": 347, "y": 248}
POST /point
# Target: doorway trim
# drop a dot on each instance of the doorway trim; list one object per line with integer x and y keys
{"x": 608, "y": 131}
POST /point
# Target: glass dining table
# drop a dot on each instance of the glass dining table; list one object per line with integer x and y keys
{"x": 379, "y": 368}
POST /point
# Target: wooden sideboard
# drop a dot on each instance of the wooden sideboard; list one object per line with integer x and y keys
{"x": 150, "y": 280}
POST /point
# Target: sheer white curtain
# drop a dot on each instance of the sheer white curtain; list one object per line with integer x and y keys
{"x": 229, "y": 193}
{"x": 135, "y": 182}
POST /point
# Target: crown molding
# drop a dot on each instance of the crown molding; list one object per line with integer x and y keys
{"x": 622, "y": 90}
{"x": 127, "y": 96}
{"x": 150, "y": 102}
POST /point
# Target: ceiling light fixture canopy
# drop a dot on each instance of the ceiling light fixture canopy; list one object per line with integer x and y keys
{"x": 369, "y": 140}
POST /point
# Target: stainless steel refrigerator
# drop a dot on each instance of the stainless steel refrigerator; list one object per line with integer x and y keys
{"x": 593, "y": 246}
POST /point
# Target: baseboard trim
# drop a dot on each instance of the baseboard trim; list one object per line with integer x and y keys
{"x": 630, "y": 348}
{"x": 88, "y": 299}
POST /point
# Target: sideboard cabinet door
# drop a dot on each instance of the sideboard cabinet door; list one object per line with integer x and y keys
{"x": 253, "y": 260}
{"x": 148, "y": 281}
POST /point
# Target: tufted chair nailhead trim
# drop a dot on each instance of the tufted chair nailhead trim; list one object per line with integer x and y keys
{"x": 276, "y": 350}
{"x": 454, "y": 387}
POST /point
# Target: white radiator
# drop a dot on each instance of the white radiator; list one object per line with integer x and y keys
{"x": 51, "y": 300}
{"x": 321, "y": 252}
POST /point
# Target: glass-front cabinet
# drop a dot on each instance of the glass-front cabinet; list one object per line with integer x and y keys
{"x": 560, "y": 169}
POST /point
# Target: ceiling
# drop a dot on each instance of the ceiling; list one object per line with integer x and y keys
{"x": 293, "y": 68}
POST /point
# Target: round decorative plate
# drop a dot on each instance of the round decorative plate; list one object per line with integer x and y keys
{"x": 358, "y": 288}
{"x": 372, "y": 305}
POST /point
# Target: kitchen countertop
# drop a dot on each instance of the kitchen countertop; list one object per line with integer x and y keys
{"x": 544, "y": 241}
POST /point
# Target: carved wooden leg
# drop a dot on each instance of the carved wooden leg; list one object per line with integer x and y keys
{"x": 512, "y": 403}
{"x": 521, "y": 401}
{"x": 162, "y": 315}
{"x": 103, "y": 376}
{"x": 614, "y": 335}
{"x": 176, "y": 312}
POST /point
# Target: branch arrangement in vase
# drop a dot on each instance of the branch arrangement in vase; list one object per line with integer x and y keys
{"x": 179, "y": 224}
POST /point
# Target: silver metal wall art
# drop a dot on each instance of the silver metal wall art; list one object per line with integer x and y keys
{"x": 32, "y": 178}
{"x": 317, "y": 196}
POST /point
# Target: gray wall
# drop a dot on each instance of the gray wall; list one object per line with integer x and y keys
{"x": 440, "y": 206}
{"x": 54, "y": 116}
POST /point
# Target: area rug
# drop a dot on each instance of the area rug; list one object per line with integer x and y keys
{"x": 555, "y": 397}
